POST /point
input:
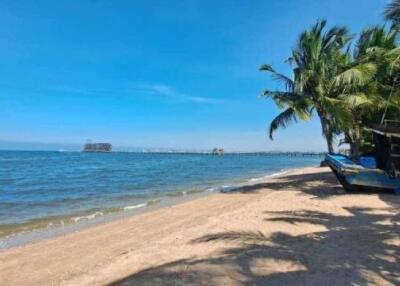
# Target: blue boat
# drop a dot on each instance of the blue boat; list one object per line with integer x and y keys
{"x": 380, "y": 172}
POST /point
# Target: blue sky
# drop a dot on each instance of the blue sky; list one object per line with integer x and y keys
{"x": 172, "y": 74}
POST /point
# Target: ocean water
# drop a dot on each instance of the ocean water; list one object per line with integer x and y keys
{"x": 48, "y": 189}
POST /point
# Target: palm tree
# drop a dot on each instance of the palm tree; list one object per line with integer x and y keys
{"x": 316, "y": 59}
{"x": 363, "y": 86}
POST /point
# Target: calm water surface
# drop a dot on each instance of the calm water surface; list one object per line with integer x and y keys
{"x": 44, "y": 189}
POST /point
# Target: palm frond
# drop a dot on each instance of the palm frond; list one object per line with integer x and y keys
{"x": 392, "y": 12}
{"x": 338, "y": 36}
{"x": 374, "y": 37}
{"x": 318, "y": 27}
{"x": 284, "y": 119}
{"x": 284, "y": 99}
{"x": 355, "y": 76}
{"x": 339, "y": 115}
{"x": 266, "y": 67}
{"x": 286, "y": 81}
{"x": 393, "y": 57}
{"x": 357, "y": 100}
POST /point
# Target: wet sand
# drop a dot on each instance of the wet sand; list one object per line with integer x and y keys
{"x": 297, "y": 229}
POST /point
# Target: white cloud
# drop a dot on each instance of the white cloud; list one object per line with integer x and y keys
{"x": 168, "y": 91}
{"x": 147, "y": 89}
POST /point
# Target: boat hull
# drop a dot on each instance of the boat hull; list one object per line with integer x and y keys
{"x": 354, "y": 177}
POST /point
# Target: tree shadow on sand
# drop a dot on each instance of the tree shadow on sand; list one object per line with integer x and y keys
{"x": 320, "y": 186}
{"x": 355, "y": 249}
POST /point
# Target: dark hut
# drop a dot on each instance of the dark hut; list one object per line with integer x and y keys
{"x": 387, "y": 142}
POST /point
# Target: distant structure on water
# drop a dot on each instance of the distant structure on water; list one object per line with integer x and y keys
{"x": 97, "y": 147}
{"x": 218, "y": 151}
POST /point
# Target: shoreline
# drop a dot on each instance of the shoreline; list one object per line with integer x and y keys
{"x": 91, "y": 219}
{"x": 298, "y": 228}
{"x": 48, "y": 233}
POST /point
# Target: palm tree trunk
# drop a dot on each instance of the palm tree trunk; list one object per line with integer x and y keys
{"x": 326, "y": 130}
{"x": 329, "y": 138}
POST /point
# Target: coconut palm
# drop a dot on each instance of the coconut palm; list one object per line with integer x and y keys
{"x": 318, "y": 57}
{"x": 365, "y": 85}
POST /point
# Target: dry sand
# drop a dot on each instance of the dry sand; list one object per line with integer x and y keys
{"x": 298, "y": 229}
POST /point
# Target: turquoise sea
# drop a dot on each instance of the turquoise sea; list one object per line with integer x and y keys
{"x": 47, "y": 189}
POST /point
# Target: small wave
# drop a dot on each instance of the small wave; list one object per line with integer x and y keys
{"x": 222, "y": 189}
{"x": 134, "y": 206}
{"x": 250, "y": 182}
{"x": 228, "y": 189}
{"x": 149, "y": 203}
{"x": 263, "y": 178}
{"x": 152, "y": 202}
{"x": 283, "y": 172}
{"x": 88, "y": 217}
{"x": 184, "y": 193}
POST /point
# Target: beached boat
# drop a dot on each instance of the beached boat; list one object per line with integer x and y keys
{"x": 380, "y": 172}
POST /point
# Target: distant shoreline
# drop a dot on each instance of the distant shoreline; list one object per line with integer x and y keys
{"x": 277, "y": 153}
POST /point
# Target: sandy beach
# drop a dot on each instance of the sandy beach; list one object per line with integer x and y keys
{"x": 296, "y": 229}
